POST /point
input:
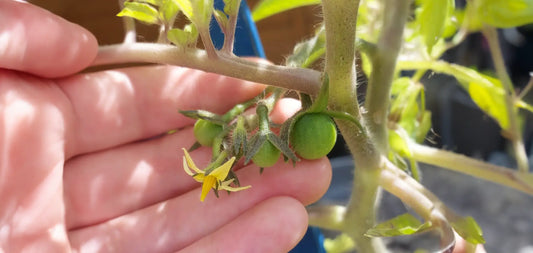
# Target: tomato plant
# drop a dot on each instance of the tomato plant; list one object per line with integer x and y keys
{"x": 206, "y": 131}
{"x": 313, "y": 135}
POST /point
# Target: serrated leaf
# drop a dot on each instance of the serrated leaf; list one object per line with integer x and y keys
{"x": 405, "y": 224}
{"x": 490, "y": 99}
{"x": 505, "y": 13}
{"x": 432, "y": 19}
{"x": 267, "y": 8}
{"x": 468, "y": 229}
{"x": 140, "y": 11}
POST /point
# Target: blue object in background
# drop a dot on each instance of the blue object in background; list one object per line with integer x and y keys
{"x": 248, "y": 43}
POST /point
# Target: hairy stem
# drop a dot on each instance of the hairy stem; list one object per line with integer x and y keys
{"x": 304, "y": 80}
{"x": 229, "y": 33}
{"x": 383, "y": 68}
{"x": 511, "y": 178}
{"x": 340, "y": 18}
{"x": 491, "y": 35}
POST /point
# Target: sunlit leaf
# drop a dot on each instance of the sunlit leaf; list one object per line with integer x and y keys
{"x": 432, "y": 18}
{"x": 307, "y": 52}
{"x": 505, "y": 13}
{"x": 342, "y": 243}
{"x": 267, "y": 8}
{"x": 186, "y": 37}
{"x": 169, "y": 9}
{"x": 231, "y": 7}
{"x": 490, "y": 99}
{"x": 405, "y": 224}
{"x": 221, "y": 18}
{"x": 185, "y": 7}
{"x": 468, "y": 229}
{"x": 140, "y": 11}
{"x": 398, "y": 141}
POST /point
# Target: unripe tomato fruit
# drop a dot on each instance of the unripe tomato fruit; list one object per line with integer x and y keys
{"x": 206, "y": 131}
{"x": 267, "y": 155}
{"x": 313, "y": 135}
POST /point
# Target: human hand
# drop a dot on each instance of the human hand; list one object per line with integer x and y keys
{"x": 85, "y": 164}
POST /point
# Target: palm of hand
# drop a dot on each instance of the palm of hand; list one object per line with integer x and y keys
{"x": 86, "y": 166}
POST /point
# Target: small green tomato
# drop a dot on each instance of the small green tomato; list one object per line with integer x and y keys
{"x": 313, "y": 135}
{"x": 267, "y": 155}
{"x": 206, "y": 131}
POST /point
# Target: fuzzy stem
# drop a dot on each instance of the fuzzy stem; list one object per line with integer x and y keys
{"x": 340, "y": 18}
{"x": 304, "y": 80}
{"x": 491, "y": 35}
{"x": 229, "y": 32}
{"x": 518, "y": 180}
{"x": 383, "y": 69}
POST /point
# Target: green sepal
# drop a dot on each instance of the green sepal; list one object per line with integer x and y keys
{"x": 468, "y": 229}
{"x": 321, "y": 102}
{"x": 283, "y": 146}
{"x": 194, "y": 146}
{"x": 255, "y": 143}
{"x": 405, "y": 224}
{"x": 202, "y": 114}
{"x": 140, "y": 11}
{"x": 239, "y": 137}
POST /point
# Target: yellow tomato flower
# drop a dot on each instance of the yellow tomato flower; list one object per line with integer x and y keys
{"x": 215, "y": 179}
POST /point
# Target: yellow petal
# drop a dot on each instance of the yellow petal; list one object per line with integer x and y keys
{"x": 190, "y": 163}
{"x": 233, "y": 189}
{"x": 209, "y": 182}
{"x": 222, "y": 172}
{"x": 199, "y": 177}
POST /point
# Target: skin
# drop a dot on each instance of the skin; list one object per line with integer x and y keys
{"x": 86, "y": 166}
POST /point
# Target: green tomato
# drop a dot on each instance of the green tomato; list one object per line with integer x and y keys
{"x": 206, "y": 131}
{"x": 313, "y": 135}
{"x": 267, "y": 155}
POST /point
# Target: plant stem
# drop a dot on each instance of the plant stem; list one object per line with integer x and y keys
{"x": 328, "y": 217}
{"x": 491, "y": 35}
{"x": 518, "y": 180}
{"x": 425, "y": 203}
{"x": 383, "y": 68}
{"x": 129, "y": 26}
{"x": 340, "y": 18}
{"x": 304, "y": 80}
{"x": 229, "y": 33}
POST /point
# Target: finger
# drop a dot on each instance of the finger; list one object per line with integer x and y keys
{"x": 275, "y": 225}
{"x": 112, "y": 108}
{"x": 104, "y": 185}
{"x": 36, "y": 41}
{"x": 178, "y": 222}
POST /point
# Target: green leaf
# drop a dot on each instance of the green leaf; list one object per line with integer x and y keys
{"x": 221, "y": 18}
{"x": 505, "y": 13}
{"x": 231, "y": 7}
{"x": 152, "y": 2}
{"x": 185, "y": 7}
{"x": 186, "y": 37}
{"x": 468, "y": 229}
{"x": 405, "y": 224}
{"x": 202, "y": 9}
{"x": 307, "y": 52}
{"x": 267, "y": 8}
{"x": 491, "y": 99}
{"x": 432, "y": 18}
{"x": 398, "y": 141}
{"x": 168, "y": 10}
{"x": 140, "y": 11}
